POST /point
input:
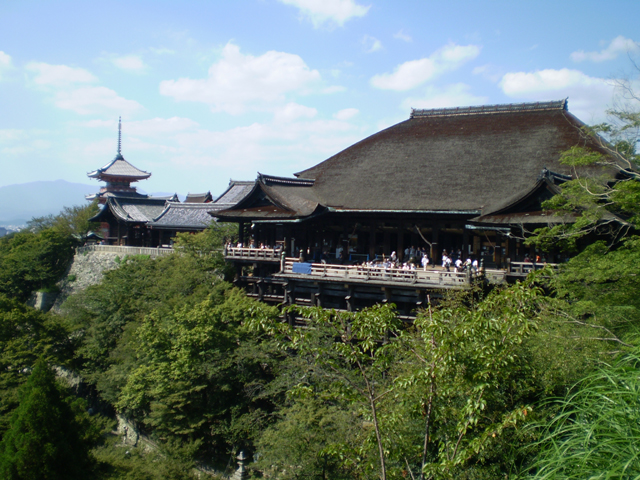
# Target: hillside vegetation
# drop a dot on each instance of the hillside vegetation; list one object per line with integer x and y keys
{"x": 533, "y": 380}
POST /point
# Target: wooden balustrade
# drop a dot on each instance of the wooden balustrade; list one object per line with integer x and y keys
{"x": 525, "y": 268}
{"x": 381, "y": 275}
{"x": 243, "y": 253}
{"x": 152, "y": 251}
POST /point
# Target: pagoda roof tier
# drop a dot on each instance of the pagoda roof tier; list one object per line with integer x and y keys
{"x": 119, "y": 168}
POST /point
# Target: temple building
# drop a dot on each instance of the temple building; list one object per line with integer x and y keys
{"x": 130, "y": 218}
{"x": 468, "y": 181}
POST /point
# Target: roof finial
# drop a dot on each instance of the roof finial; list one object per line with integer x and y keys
{"x": 119, "y": 135}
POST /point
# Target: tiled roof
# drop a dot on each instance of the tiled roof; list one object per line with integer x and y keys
{"x": 119, "y": 168}
{"x": 187, "y": 216}
{"x": 236, "y": 191}
{"x": 128, "y": 209}
{"x": 198, "y": 198}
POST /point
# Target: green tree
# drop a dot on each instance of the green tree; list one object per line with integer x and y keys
{"x": 606, "y": 201}
{"x": 32, "y": 261}
{"x": 45, "y": 440}
{"x": 189, "y": 384}
{"x": 347, "y": 356}
{"x": 25, "y": 335}
{"x": 464, "y": 386}
{"x": 70, "y": 221}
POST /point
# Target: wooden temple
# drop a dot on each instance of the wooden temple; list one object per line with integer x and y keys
{"x": 130, "y": 218}
{"x": 465, "y": 181}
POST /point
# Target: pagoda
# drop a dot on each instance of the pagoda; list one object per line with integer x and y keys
{"x": 118, "y": 175}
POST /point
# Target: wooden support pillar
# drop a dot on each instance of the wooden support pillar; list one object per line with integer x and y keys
{"x": 465, "y": 243}
{"x": 435, "y": 247}
{"x": 241, "y": 233}
{"x": 349, "y": 298}
{"x": 288, "y": 300}
{"x": 400, "y": 247}
{"x": 260, "y": 285}
{"x": 372, "y": 240}
{"x": 387, "y": 294}
{"x": 420, "y": 301}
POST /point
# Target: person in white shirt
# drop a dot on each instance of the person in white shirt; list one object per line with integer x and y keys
{"x": 458, "y": 265}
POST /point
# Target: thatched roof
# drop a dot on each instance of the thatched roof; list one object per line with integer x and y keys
{"x": 462, "y": 160}
{"x": 473, "y": 161}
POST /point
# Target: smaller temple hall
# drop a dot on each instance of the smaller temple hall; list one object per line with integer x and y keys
{"x": 130, "y": 218}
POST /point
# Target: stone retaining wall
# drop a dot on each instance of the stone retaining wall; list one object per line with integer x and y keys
{"x": 87, "y": 269}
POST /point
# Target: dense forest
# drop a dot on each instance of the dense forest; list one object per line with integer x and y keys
{"x": 535, "y": 380}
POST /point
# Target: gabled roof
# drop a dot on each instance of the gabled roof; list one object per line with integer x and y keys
{"x": 198, "y": 198}
{"x": 183, "y": 216}
{"x": 274, "y": 198}
{"x": 235, "y": 192}
{"x": 136, "y": 210}
{"x": 119, "y": 168}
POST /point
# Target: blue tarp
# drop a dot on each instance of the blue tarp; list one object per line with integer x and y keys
{"x": 302, "y": 268}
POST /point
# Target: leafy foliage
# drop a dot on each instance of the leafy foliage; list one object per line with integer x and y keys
{"x": 26, "y": 335}
{"x": 70, "y": 221}
{"x": 607, "y": 204}
{"x": 32, "y": 261}
{"x": 188, "y": 383}
{"x": 105, "y": 316}
{"x": 48, "y": 437}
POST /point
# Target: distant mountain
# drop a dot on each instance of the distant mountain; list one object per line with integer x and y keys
{"x": 20, "y": 203}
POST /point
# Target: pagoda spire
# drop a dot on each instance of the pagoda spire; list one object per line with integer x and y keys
{"x": 119, "y": 135}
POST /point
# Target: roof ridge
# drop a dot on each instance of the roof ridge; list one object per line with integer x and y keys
{"x": 487, "y": 109}
{"x": 285, "y": 180}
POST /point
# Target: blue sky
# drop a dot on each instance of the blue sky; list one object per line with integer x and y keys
{"x": 213, "y": 90}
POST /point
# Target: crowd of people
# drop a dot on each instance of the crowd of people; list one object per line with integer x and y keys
{"x": 413, "y": 258}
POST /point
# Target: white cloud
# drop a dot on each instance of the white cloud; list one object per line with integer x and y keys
{"x": 400, "y": 35}
{"x": 132, "y": 63}
{"x": 91, "y": 100}
{"x": 11, "y": 135}
{"x": 5, "y": 62}
{"x": 346, "y": 114}
{"x": 238, "y": 81}
{"x": 416, "y": 72}
{"x": 59, "y": 75}
{"x": 371, "y": 44}
{"x": 242, "y": 151}
{"x": 321, "y": 11}
{"x": 293, "y": 111}
{"x": 455, "y": 95}
{"x": 5, "y": 59}
{"x": 588, "y": 96}
{"x": 20, "y": 142}
{"x": 618, "y": 45}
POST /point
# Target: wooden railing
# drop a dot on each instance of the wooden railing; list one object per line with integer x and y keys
{"x": 263, "y": 254}
{"x": 381, "y": 275}
{"x": 154, "y": 252}
{"x": 525, "y": 268}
